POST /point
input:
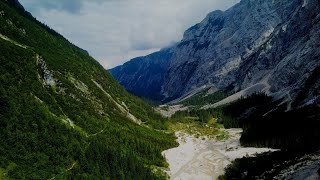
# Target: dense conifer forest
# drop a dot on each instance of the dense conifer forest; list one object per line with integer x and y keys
{"x": 62, "y": 116}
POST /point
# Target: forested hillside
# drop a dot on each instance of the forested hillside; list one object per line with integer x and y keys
{"x": 62, "y": 116}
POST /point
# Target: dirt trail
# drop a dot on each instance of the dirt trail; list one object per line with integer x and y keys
{"x": 198, "y": 158}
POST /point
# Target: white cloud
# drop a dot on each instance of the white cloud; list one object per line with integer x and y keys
{"x": 113, "y": 31}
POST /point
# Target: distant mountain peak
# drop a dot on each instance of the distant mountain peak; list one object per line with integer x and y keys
{"x": 253, "y": 42}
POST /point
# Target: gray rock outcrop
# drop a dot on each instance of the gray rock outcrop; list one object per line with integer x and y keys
{"x": 272, "y": 43}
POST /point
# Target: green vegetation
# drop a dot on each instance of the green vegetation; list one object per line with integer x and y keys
{"x": 198, "y": 123}
{"x": 265, "y": 123}
{"x": 77, "y": 127}
{"x": 263, "y": 166}
{"x": 203, "y": 98}
{"x": 228, "y": 114}
{"x": 63, "y": 116}
{"x": 205, "y": 116}
{"x": 295, "y": 132}
{"x": 199, "y": 129}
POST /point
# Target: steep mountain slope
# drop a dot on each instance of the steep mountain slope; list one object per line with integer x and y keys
{"x": 62, "y": 116}
{"x": 218, "y": 44}
{"x": 289, "y": 59}
{"x": 144, "y": 76}
{"x": 267, "y": 45}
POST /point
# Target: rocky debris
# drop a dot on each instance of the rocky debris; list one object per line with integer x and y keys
{"x": 206, "y": 158}
{"x": 12, "y": 41}
{"x": 68, "y": 121}
{"x": 23, "y": 31}
{"x": 122, "y": 107}
{"x": 212, "y": 90}
{"x": 168, "y": 111}
{"x": 47, "y": 75}
{"x": 79, "y": 85}
{"x": 306, "y": 167}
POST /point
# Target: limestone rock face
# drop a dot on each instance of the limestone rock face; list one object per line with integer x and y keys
{"x": 288, "y": 62}
{"x": 270, "y": 42}
{"x": 144, "y": 76}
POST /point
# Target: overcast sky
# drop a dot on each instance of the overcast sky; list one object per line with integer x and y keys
{"x": 114, "y": 31}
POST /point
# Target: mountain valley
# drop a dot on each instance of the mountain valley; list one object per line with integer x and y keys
{"x": 254, "y": 66}
{"x": 237, "y": 98}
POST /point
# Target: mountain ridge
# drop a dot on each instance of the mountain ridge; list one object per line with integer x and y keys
{"x": 217, "y": 51}
{"x": 144, "y": 75}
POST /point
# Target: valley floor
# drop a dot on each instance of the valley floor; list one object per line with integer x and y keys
{"x": 203, "y": 157}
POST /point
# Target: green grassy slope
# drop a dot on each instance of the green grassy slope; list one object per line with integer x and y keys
{"x": 62, "y": 116}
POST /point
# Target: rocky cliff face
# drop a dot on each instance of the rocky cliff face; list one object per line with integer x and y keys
{"x": 144, "y": 76}
{"x": 288, "y": 62}
{"x": 271, "y": 43}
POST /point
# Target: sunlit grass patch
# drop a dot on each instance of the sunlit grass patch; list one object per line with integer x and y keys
{"x": 190, "y": 125}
